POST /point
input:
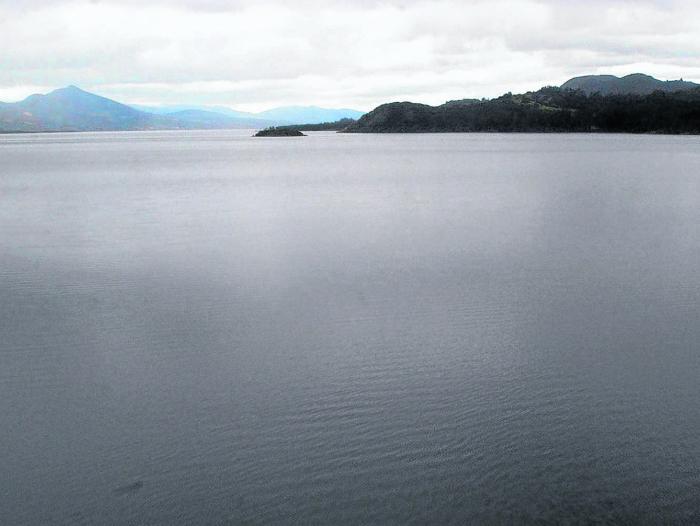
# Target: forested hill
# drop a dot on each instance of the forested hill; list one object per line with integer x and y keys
{"x": 322, "y": 126}
{"x": 550, "y": 109}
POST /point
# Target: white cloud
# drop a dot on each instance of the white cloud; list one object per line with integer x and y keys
{"x": 257, "y": 54}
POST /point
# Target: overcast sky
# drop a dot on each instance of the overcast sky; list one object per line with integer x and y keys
{"x": 253, "y": 55}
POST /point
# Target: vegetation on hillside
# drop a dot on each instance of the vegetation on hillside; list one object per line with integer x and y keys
{"x": 322, "y": 126}
{"x": 277, "y": 131}
{"x": 550, "y": 109}
{"x": 636, "y": 83}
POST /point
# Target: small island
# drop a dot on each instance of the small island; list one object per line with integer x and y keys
{"x": 279, "y": 132}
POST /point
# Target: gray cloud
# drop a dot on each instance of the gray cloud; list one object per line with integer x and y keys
{"x": 254, "y": 54}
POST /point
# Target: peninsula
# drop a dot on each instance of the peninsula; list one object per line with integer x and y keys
{"x": 633, "y": 104}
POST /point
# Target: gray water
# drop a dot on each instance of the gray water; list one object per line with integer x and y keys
{"x": 206, "y": 328}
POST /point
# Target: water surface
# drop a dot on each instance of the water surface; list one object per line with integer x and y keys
{"x": 206, "y": 328}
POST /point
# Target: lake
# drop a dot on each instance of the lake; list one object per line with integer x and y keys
{"x": 207, "y": 328}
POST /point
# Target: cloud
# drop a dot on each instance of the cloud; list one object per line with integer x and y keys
{"x": 256, "y": 54}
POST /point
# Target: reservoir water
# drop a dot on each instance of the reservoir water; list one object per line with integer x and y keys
{"x": 207, "y": 328}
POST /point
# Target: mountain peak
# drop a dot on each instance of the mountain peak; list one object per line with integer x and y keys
{"x": 636, "y": 83}
{"x": 71, "y": 90}
{"x": 71, "y": 108}
{"x": 637, "y": 75}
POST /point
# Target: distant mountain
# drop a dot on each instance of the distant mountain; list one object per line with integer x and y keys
{"x": 308, "y": 114}
{"x": 275, "y": 117}
{"x": 73, "y": 109}
{"x": 637, "y": 84}
{"x": 200, "y": 119}
{"x": 547, "y": 110}
{"x": 165, "y": 110}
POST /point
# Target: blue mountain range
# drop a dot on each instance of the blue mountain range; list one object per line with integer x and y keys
{"x": 73, "y": 109}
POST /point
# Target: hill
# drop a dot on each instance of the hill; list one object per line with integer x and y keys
{"x": 285, "y": 115}
{"x": 207, "y": 120}
{"x": 308, "y": 114}
{"x": 550, "y": 109}
{"x": 173, "y": 108}
{"x": 73, "y": 109}
{"x": 321, "y": 126}
{"x": 635, "y": 84}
